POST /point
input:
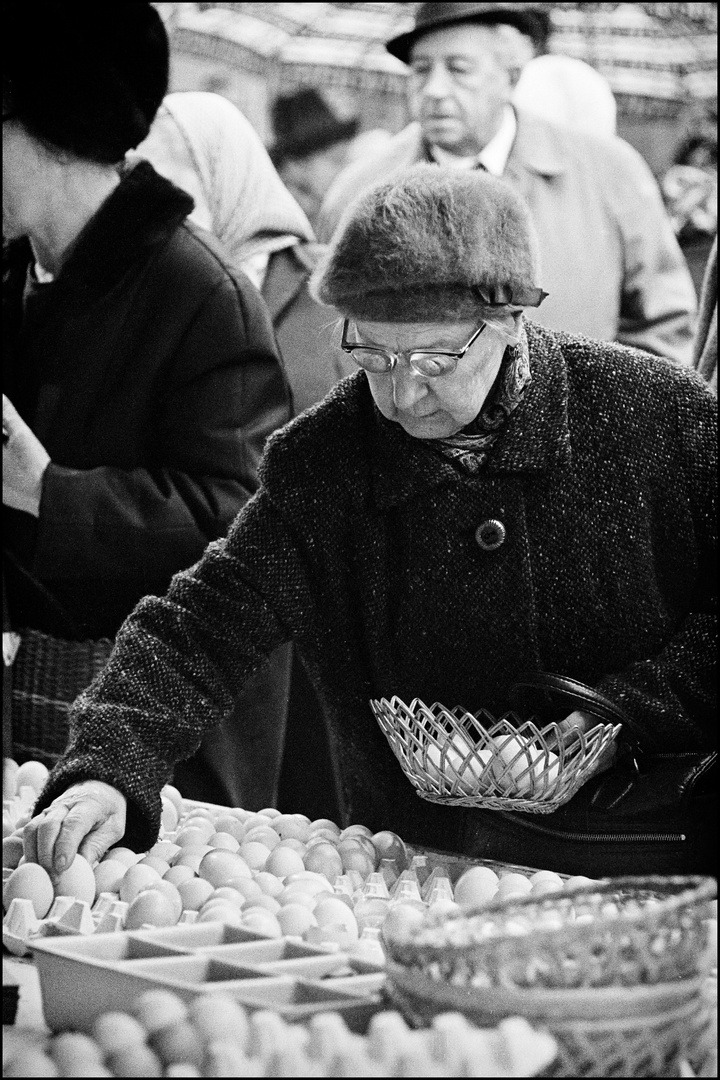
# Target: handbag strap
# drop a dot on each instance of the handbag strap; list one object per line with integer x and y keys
{"x": 552, "y": 697}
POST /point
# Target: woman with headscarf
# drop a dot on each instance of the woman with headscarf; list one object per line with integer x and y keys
{"x": 204, "y": 144}
{"x": 140, "y": 368}
{"x": 484, "y": 499}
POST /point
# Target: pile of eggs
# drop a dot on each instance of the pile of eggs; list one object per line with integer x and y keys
{"x": 273, "y": 873}
{"x": 215, "y": 1036}
{"x": 505, "y": 765}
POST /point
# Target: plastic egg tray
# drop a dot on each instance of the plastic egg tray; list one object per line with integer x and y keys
{"x": 84, "y": 976}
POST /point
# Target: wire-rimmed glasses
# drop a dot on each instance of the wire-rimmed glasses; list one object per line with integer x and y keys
{"x": 429, "y": 363}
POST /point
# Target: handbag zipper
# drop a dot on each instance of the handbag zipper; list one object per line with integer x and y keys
{"x": 593, "y": 837}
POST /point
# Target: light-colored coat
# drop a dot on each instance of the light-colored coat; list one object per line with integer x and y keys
{"x": 610, "y": 260}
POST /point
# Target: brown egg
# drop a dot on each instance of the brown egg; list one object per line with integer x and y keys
{"x": 30, "y": 882}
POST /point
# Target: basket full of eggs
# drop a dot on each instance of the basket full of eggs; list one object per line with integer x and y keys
{"x": 458, "y": 758}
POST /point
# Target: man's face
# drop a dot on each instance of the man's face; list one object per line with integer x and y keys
{"x": 459, "y": 87}
{"x": 309, "y": 178}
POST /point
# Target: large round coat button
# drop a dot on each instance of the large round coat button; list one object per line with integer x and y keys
{"x": 490, "y": 534}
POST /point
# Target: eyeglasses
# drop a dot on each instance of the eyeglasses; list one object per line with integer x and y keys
{"x": 427, "y": 363}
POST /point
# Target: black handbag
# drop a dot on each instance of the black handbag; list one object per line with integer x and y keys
{"x": 647, "y": 814}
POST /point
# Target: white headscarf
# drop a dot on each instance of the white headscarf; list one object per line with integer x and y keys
{"x": 205, "y": 145}
{"x": 568, "y": 92}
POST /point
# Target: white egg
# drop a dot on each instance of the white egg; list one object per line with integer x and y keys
{"x": 452, "y": 763}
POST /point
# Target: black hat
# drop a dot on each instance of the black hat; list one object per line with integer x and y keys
{"x": 530, "y": 19}
{"x": 304, "y": 123}
{"x": 86, "y": 78}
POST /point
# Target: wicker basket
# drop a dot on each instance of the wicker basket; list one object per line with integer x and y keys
{"x": 453, "y": 757}
{"x": 48, "y": 673}
{"x": 618, "y": 978}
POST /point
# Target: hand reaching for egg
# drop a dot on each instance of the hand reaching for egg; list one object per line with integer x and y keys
{"x": 584, "y": 721}
{"x": 87, "y": 819}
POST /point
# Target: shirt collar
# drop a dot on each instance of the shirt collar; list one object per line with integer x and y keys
{"x": 493, "y": 157}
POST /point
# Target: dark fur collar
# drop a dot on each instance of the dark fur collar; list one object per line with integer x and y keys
{"x": 142, "y": 213}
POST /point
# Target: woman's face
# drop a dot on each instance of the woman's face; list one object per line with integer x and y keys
{"x": 21, "y": 170}
{"x": 433, "y": 408}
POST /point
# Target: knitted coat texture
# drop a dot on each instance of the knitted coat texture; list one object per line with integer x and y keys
{"x": 360, "y": 546}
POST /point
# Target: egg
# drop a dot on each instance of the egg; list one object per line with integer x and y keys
{"x": 170, "y": 892}
{"x": 269, "y": 883}
{"x": 78, "y": 881}
{"x": 324, "y": 859}
{"x": 477, "y": 885}
{"x": 10, "y": 773}
{"x": 150, "y": 907}
{"x": 217, "y": 1016}
{"x": 12, "y": 852}
{"x": 33, "y": 774}
{"x": 194, "y": 893}
{"x": 402, "y": 922}
{"x": 297, "y": 896}
{"x": 247, "y": 886}
{"x": 283, "y": 861}
{"x": 178, "y": 1044}
{"x": 512, "y": 767}
{"x": 444, "y": 763}
{"x": 156, "y": 1009}
{"x": 168, "y": 815}
{"x": 176, "y": 874}
{"x": 30, "y": 882}
{"x": 135, "y": 880}
{"x": 255, "y": 854}
{"x": 231, "y": 825}
{"x": 161, "y": 865}
{"x": 220, "y": 911}
{"x": 29, "y": 1061}
{"x": 135, "y": 1061}
{"x": 108, "y": 875}
{"x": 262, "y": 922}
{"x": 513, "y": 884}
{"x": 579, "y": 879}
{"x": 121, "y": 854}
{"x": 295, "y": 826}
{"x": 224, "y": 840}
{"x": 332, "y": 911}
{"x": 295, "y": 919}
{"x": 545, "y": 886}
{"x": 325, "y": 824}
{"x": 262, "y": 834}
{"x": 73, "y": 1052}
{"x": 219, "y": 866}
{"x": 170, "y": 792}
{"x": 115, "y": 1031}
{"x": 227, "y": 893}
{"x": 355, "y": 856}
{"x": 194, "y": 835}
{"x": 390, "y": 846}
{"x": 192, "y": 856}
{"x": 268, "y": 903}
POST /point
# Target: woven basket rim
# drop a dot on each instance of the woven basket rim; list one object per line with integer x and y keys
{"x": 412, "y": 731}
{"x": 690, "y": 889}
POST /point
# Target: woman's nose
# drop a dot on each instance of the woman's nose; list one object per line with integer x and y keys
{"x": 408, "y": 387}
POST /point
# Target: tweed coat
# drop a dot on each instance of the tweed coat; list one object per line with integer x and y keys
{"x": 360, "y": 546}
{"x": 149, "y": 371}
{"x": 610, "y": 261}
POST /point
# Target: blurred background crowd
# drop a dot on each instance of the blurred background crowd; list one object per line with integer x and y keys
{"x": 319, "y": 87}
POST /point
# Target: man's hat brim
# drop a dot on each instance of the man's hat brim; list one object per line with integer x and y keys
{"x": 533, "y": 21}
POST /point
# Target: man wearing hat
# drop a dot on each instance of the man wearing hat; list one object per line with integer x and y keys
{"x": 310, "y": 147}
{"x": 613, "y": 268}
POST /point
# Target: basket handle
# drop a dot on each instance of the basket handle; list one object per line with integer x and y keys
{"x": 552, "y": 697}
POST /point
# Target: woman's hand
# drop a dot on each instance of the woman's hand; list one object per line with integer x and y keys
{"x": 25, "y": 460}
{"x": 87, "y": 819}
{"x": 583, "y": 721}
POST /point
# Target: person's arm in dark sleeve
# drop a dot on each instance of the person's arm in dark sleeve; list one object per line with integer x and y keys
{"x": 224, "y": 393}
{"x": 179, "y": 663}
{"x": 673, "y": 696}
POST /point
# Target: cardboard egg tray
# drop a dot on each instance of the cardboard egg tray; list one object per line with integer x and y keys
{"x": 82, "y": 977}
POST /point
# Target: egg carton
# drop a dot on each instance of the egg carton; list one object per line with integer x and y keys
{"x": 82, "y": 977}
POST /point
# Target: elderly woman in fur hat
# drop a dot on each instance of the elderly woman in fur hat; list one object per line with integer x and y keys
{"x": 483, "y": 499}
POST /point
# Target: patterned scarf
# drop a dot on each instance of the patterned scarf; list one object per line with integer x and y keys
{"x": 470, "y": 448}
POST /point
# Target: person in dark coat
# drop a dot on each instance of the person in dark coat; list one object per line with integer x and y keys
{"x": 140, "y": 371}
{"x": 484, "y": 498}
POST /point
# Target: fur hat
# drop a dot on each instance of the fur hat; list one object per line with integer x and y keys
{"x": 431, "y": 241}
{"x": 85, "y": 78}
